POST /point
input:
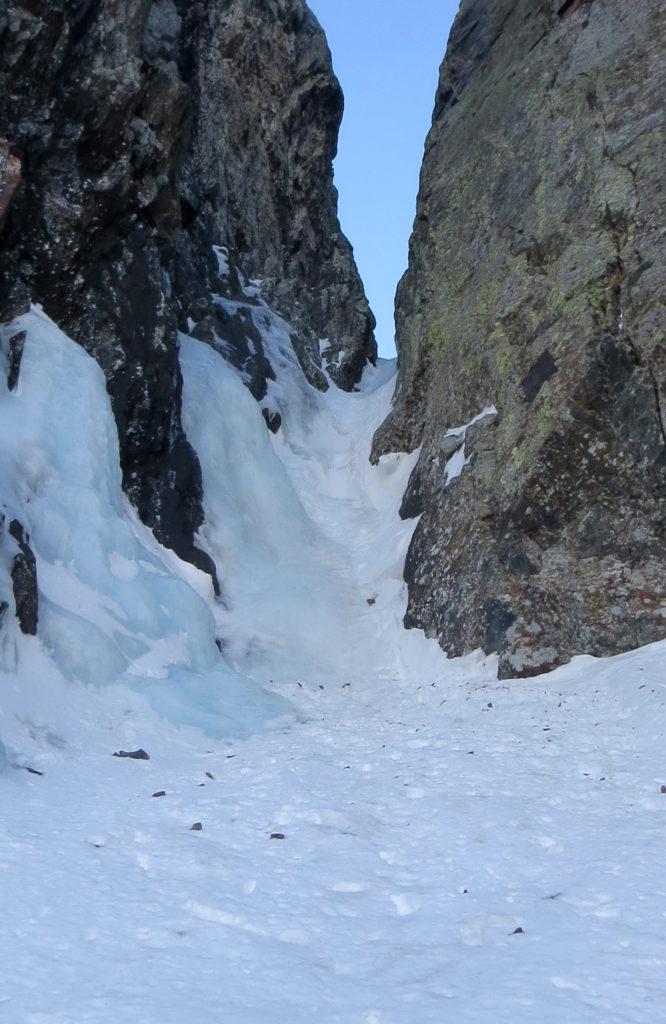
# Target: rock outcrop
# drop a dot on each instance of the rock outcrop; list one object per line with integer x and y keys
{"x": 18, "y": 563}
{"x": 24, "y": 580}
{"x": 536, "y": 285}
{"x": 134, "y": 137}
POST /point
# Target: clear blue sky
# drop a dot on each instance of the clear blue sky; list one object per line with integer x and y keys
{"x": 386, "y": 54}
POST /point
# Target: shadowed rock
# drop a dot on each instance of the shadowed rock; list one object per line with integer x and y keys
{"x": 535, "y": 284}
{"x": 24, "y": 580}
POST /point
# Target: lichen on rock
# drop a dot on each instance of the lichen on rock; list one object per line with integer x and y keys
{"x": 536, "y": 284}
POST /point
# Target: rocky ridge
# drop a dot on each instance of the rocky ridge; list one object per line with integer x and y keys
{"x": 536, "y": 286}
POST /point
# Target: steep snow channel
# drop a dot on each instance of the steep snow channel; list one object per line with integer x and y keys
{"x": 411, "y": 843}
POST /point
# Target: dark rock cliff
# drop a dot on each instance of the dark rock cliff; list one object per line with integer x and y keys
{"x": 536, "y": 285}
{"x": 135, "y": 136}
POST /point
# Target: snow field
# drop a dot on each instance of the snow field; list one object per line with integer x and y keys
{"x": 427, "y": 811}
{"x": 407, "y": 864}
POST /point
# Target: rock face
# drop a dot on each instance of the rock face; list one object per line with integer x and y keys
{"x": 536, "y": 286}
{"x": 24, "y": 580}
{"x": 134, "y": 137}
{"x": 18, "y": 561}
{"x": 10, "y": 178}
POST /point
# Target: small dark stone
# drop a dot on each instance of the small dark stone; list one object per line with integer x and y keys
{"x": 197, "y": 827}
{"x": 136, "y": 755}
{"x": 209, "y": 775}
{"x": 519, "y": 931}
{"x": 663, "y": 789}
{"x": 277, "y": 835}
{"x": 31, "y": 771}
{"x": 372, "y": 600}
{"x": 160, "y": 792}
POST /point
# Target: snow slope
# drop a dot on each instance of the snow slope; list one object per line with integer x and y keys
{"x": 422, "y": 811}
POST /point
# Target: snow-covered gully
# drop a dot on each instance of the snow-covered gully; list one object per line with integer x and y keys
{"x": 391, "y": 838}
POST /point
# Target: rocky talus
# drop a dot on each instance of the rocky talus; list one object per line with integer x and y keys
{"x": 135, "y": 137}
{"x": 537, "y": 287}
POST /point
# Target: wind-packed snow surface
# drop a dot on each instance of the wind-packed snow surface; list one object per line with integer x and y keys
{"x": 387, "y": 837}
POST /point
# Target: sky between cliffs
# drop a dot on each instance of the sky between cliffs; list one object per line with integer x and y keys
{"x": 386, "y": 54}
